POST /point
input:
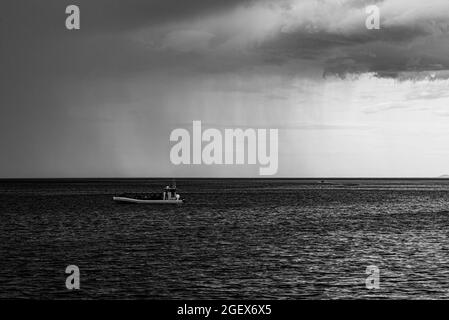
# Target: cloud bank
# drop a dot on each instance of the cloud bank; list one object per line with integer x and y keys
{"x": 413, "y": 36}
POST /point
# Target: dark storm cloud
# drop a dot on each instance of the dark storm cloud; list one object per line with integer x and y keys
{"x": 120, "y": 37}
{"x": 413, "y": 37}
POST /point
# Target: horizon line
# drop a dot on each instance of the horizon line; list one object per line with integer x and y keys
{"x": 443, "y": 177}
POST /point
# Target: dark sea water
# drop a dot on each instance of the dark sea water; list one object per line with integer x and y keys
{"x": 236, "y": 239}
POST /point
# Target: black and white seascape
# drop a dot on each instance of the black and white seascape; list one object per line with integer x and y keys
{"x": 239, "y": 149}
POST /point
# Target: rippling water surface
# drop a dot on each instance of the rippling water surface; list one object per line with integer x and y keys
{"x": 292, "y": 239}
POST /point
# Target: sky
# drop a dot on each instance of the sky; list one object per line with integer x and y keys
{"x": 102, "y": 101}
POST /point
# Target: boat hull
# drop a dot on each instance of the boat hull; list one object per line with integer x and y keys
{"x": 143, "y": 201}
